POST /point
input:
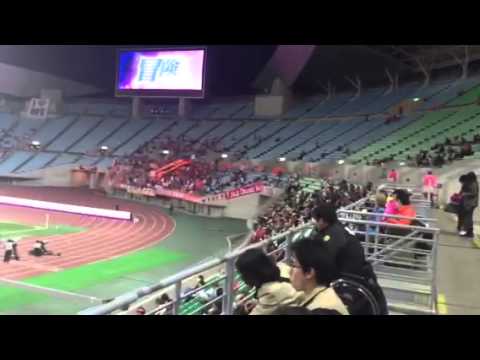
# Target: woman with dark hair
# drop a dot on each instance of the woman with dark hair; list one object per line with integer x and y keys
{"x": 258, "y": 270}
{"x": 460, "y": 215}
{"x": 405, "y": 209}
{"x": 468, "y": 204}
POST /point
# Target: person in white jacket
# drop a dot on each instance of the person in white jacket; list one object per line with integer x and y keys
{"x": 258, "y": 270}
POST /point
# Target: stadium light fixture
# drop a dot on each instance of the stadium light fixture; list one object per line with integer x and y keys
{"x": 282, "y": 159}
{"x": 224, "y": 156}
{"x": 341, "y": 162}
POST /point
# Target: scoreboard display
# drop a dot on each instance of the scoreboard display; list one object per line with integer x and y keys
{"x": 169, "y": 73}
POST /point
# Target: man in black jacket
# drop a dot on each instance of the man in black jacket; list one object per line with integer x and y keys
{"x": 346, "y": 250}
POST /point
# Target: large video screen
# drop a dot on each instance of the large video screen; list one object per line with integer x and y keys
{"x": 161, "y": 73}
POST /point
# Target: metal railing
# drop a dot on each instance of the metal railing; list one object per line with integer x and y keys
{"x": 395, "y": 256}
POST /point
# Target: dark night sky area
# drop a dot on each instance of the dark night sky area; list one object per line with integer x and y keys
{"x": 231, "y": 69}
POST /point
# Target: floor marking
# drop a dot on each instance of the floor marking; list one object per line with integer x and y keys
{"x": 442, "y": 305}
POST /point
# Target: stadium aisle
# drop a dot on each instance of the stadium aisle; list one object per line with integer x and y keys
{"x": 458, "y": 267}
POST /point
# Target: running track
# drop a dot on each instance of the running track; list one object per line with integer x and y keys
{"x": 103, "y": 239}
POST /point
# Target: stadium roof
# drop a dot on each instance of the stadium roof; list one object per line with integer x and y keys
{"x": 374, "y": 65}
{"x": 434, "y": 56}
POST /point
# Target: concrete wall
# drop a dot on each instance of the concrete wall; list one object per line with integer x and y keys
{"x": 241, "y": 208}
{"x": 269, "y": 105}
{"x": 56, "y": 176}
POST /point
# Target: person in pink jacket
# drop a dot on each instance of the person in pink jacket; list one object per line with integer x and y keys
{"x": 392, "y": 206}
{"x": 430, "y": 183}
{"x": 393, "y": 176}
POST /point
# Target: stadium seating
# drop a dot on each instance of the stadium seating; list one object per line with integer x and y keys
{"x": 7, "y": 120}
{"x": 433, "y": 127}
{"x": 204, "y": 111}
{"x": 358, "y": 146}
{"x": 226, "y": 111}
{"x": 339, "y": 138}
{"x": 296, "y": 144}
{"x": 281, "y": 136}
{"x": 271, "y": 129}
{"x": 13, "y": 161}
{"x": 246, "y": 112}
{"x": 200, "y": 129}
{"x": 320, "y": 140}
{"x": 348, "y": 140}
{"x": 301, "y": 108}
{"x": 25, "y": 126}
{"x": 80, "y": 128}
{"x": 329, "y": 106}
{"x": 124, "y": 134}
{"x": 358, "y": 104}
{"x": 35, "y": 162}
{"x": 63, "y": 159}
{"x": 52, "y": 128}
{"x": 153, "y": 130}
{"x": 104, "y": 130}
{"x": 224, "y": 128}
{"x": 248, "y": 128}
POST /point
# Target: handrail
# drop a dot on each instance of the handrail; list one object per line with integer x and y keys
{"x": 228, "y": 261}
{"x": 127, "y": 299}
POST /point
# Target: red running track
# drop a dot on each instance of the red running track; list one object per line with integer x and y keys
{"x": 103, "y": 239}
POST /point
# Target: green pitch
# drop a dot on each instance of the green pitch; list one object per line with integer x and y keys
{"x": 88, "y": 275}
{"x": 19, "y": 231}
{"x": 194, "y": 240}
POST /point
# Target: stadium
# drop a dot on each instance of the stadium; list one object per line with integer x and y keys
{"x": 236, "y": 180}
